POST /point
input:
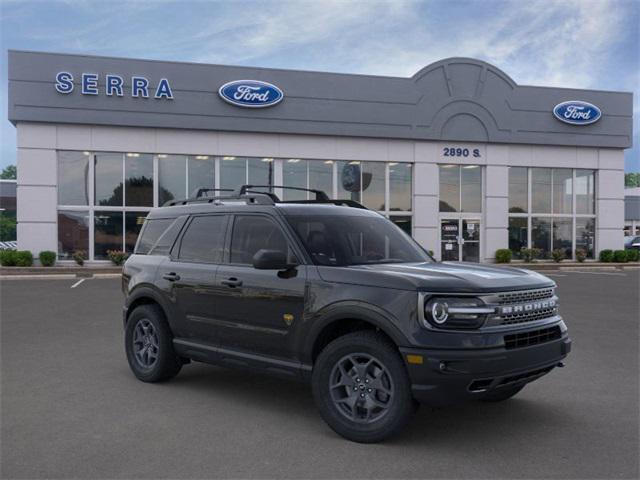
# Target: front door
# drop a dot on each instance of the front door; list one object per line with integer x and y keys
{"x": 257, "y": 309}
{"x": 460, "y": 239}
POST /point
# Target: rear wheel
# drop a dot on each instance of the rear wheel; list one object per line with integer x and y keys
{"x": 501, "y": 394}
{"x": 149, "y": 345}
{"x": 361, "y": 387}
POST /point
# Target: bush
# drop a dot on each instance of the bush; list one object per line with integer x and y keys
{"x": 24, "y": 258}
{"x": 8, "y": 258}
{"x": 581, "y": 254}
{"x": 633, "y": 255}
{"x": 117, "y": 257}
{"x": 606, "y": 256}
{"x": 79, "y": 256}
{"x": 503, "y": 255}
{"x": 526, "y": 254}
{"x": 620, "y": 256}
{"x": 558, "y": 255}
{"x": 47, "y": 258}
{"x": 430, "y": 252}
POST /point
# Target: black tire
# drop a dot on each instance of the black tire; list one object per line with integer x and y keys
{"x": 158, "y": 344}
{"x": 364, "y": 419}
{"x": 501, "y": 394}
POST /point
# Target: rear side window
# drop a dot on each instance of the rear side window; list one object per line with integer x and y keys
{"x": 152, "y": 231}
{"x": 253, "y": 233}
{"x": 203, "y": 240}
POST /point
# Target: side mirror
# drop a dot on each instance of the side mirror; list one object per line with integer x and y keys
{"x": 270, "y": 260}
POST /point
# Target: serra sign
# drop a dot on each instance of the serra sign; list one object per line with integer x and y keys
{"x": 250, "y": 93}
{"x": 577, "y": 112}
{"x": 113, "y": 85}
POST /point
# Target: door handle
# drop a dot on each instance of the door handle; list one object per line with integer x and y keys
{"x": 172, "y": 276}
{"x": 232, "y": 282}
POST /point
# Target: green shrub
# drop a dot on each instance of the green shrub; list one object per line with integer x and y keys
{"x": 503, "y": 255}
{"x": 8, "y": 258}
{"x": 526, "y": 254}
{"x": 47, "y": 258}
{"x": 606, "y": 255}
{"x": 581, "y": 254}
{"x": 633, "y": 255}
{"x": 24, "y": 258}
{"x": 558, "y": 255}
{"x": 620, "y": 256}
{"x": 79, "y": 256}
{"x": 430, "y": 252}
{"x": 117, "y": 257}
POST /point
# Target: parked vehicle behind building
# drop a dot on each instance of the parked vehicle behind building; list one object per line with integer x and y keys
{"x": 329, "y": 292}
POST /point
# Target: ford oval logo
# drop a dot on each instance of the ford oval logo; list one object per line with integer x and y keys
{"x": 250, "y": 93}
{"x": 577, "y": 112}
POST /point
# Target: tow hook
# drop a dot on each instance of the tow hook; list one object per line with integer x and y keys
{"x": 560, "y": 365}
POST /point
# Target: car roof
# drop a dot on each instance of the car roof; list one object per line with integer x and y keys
{"x": 240, "y": 206}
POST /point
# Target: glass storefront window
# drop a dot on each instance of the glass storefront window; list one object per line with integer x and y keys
{"x": 321, "y": 175}
{"x": 349, "y": 180}
{"x": 517, "y": 235}
{"x": 541, "y": 235}
{"x": 73, "y": 233}
{"x": 171, "y": 177}
{"x": 585, "y": 235}
{"x": 73, "y": 178}
{"x": 201, "y": 173}
{"x": 449, "y": 188}
{"x": 373, "y": 185}
{"x": 471, "y": 191}
{"x": 541, "y": 190}
{"x": 585, "y": 192}
{"x": 133, "y": 222}
{"x": 233, "y": 172}
{"x": 518, "y": 190}
{"x": 294, "y": 174}
{"x": 562, "y": 190}
{"x": 400, "y": 177}
{"x": 562, "y": 235}
{"x": 260, "y": 171}
{"x": 403, "y": 222}
{"x": 138, "y": 170}
{"x": 108, "y": 179}
{"x": 107, "y": 233}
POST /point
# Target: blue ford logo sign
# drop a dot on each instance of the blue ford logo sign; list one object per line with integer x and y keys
{"x": 250, "y": 93}
{"x": 577, "y": 112}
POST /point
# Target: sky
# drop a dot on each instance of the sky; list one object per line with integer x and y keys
{"x": 565, "y": 43}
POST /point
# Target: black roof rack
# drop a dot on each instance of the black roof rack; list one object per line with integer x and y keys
{"x": 320, "y": 195}
{"x": 247, "y": 194}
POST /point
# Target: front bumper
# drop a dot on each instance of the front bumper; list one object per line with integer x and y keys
{"x": 451, "y": 376}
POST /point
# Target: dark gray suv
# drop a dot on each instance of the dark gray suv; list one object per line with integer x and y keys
{"x": 329, "y": 292}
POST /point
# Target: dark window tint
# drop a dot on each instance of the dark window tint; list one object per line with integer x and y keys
{"x": 253, "y": 233}
{"x": 73, "y": 233}
{"x": 107, "y": 233}
{"x": 151, "y": 233}
{"x": 204, "y": 239}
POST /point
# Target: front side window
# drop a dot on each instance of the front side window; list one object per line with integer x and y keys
{"x": 203, "y": 241}
{"x": 252, "y": 233}
{"x": 345, "y": 240}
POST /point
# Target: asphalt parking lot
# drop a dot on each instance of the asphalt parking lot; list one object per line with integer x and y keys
{"x": 71, "y": 408}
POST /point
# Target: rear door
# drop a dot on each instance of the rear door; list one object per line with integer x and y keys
{"x": 190, "y": 275}
{"x": 257, "y": 309}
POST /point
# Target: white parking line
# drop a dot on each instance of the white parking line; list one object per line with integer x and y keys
{"x": 78, "y": 283}
{"x": 554, "y": 274}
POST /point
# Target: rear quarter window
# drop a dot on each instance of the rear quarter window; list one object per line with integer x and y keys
{"x": 158, "y": 235}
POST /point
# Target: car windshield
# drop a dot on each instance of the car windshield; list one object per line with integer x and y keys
{"x": 344, "y": 240}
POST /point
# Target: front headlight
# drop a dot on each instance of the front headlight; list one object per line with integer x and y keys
{"x": 455, "y": 312}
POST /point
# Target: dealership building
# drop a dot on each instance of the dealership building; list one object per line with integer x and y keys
{"x": 458, "y": 155}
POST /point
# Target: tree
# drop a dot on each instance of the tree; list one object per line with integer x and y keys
{"x": 632, "y": 180}
{"x": 9, "y": 173}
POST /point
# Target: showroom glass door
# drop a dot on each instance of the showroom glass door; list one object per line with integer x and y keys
{"x": 460, "y": 239}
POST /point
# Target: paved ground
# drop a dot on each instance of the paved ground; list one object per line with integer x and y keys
{"x": 71, "y": 408}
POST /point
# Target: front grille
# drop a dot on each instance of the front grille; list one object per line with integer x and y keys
{"x": 534, "y": 337}
{"x": 538, "y": 296}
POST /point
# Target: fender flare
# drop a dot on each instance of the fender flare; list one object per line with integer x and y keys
{"x": 146, "y": 291}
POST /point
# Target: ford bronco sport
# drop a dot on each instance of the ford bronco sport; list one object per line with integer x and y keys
{"x": 329, "y": 292}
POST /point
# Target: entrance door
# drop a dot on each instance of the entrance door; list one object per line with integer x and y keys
{"x": 460, "y": 239}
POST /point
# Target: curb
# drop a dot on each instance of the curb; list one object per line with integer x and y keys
{"x": 572, "y": 266}
{"x": 80, "y": 272}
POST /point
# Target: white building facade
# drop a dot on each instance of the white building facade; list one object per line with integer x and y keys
{"x": 459, "y": 156}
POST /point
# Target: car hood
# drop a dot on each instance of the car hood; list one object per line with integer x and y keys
{"x": 437, "y": 277}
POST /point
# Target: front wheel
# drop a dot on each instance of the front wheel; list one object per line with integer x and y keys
{"x": 361, "y": 387}
{"x": 149, "y": 345}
